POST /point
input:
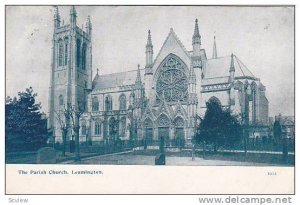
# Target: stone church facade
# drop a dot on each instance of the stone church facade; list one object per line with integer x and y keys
{"x": 160, "y": 99}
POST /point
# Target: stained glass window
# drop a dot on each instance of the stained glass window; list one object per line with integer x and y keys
{"x": 78, "y": 52}
{"x": 84, "y": 56}
{"x": 172, "y": 81}
{"x": 83, "y": 128}
{"x": 108, "y": 103}
{"x": 95, "y": 104}
{"x": 97, "y": 127}
{"x": 123, "y": 126}
{"x": 122, "y": 101}
{"x": 60, "y": 53}
{"x": 66, "y": 52}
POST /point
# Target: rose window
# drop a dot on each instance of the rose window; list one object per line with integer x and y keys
{"x": 172, "y": 82}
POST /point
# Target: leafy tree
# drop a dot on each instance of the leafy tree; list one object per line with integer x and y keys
{"x": 218, "y": 127}
{"x": 25, "y": 128}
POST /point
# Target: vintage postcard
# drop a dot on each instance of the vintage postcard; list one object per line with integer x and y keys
{"x": 150, "y": 99}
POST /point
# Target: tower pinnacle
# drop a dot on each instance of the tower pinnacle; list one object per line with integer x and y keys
{"x": 232, "y": 69}
{"x": 88, "y": 25}
{"x": 215, "y": 55}
{"x": 56, "y": 17}
{"x": 196, "y": 36}
{"x": 73, "y": 15}
{"x": 149, "y": 54}
{"x": 73, "y": 11}
{"x": 138, "y": 80}
{"x": 149, "y": 41}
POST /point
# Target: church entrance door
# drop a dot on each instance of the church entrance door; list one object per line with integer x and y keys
{"x": 148, "y": 132}
{"x": 179, "y": 132}
{"x": 163, "y": 132}
{"x": 149, "y": 136}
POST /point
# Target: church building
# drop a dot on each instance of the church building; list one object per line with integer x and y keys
{"x": 162, "y": 98}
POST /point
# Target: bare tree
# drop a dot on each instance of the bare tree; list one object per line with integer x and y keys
{"x": 63, "y": 117}
{"x": 75, "y": 114}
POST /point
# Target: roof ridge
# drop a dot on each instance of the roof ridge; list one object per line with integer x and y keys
{"x": 107, "y": 74}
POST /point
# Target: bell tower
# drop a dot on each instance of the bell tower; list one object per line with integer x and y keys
{"x": 71, "y": 69}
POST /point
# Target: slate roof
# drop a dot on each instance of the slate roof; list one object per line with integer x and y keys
{"x": 116, "y": 79}
{"x": 217, "y": 70}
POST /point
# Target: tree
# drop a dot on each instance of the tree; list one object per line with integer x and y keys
{"x": 25, "y": 127}
{"x": 218, "y": 126}
{"x": 63, "y": 117}
{"x": 75, "y": 114}
{"x": 277, "y": 132}
{"x": 278, "y": 137}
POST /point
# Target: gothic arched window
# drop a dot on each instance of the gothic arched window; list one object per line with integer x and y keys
{"x": 78, "y": 52}
{"x": 66, "y": 52}
{"x": 131, "y": 98}
{"x": 95, "y": 104}
{"x": 148, "y": 123}
{"x": 84, "y": 56}
{"x": 83, "y": 128}
{"x": 172, "y": 80}
{"x": 61, "y": 99}
{"x": 60, "y": 53}
{"x": 163, "y": 121}
{"x": 108, "y": 103}
{"x": 123, "y": 126}
{"x": 113, "y": 127}
{"x": 179, "y": 131}
{"x": 97, "y": 127}
{"x": 179, "y": 122}
{"x": 122, "y": 101}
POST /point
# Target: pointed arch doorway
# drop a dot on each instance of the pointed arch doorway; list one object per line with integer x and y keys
{"x": 163, "y": 123}
{"x": 179, "y": 132}
{"x": 148, "y": 131}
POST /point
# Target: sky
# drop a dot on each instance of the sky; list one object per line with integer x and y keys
{"x": 261, "y": 37}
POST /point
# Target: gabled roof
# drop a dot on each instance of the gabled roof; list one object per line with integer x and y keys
{"x": 172, "y": 44}
{"x": 116, "y": 79}
{"x": 219, "y": 67}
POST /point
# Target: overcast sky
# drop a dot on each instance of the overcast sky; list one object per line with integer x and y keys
{"x": 261, "y": 37}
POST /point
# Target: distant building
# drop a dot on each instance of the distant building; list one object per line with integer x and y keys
{"x": 162, "y": 98}
{"x": 287, "y": 126}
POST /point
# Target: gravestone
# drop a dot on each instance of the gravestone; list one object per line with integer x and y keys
{"x": 46, "y": 155}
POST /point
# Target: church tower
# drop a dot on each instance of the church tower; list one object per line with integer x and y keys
{"x": 71, "y": 69}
